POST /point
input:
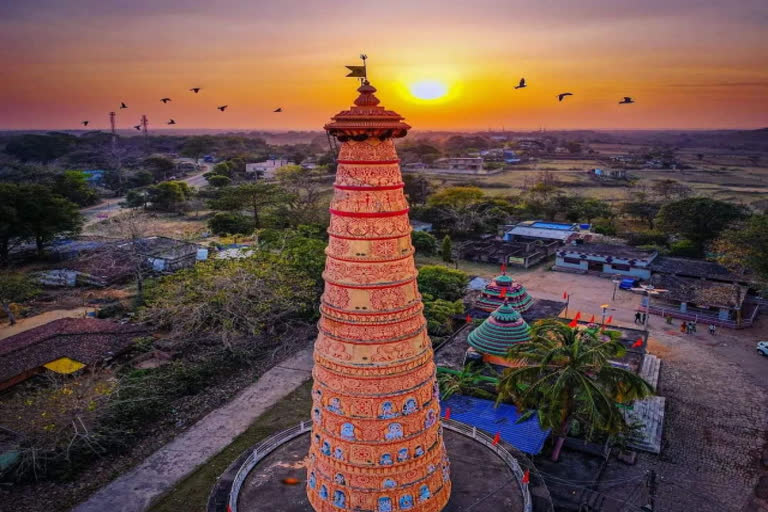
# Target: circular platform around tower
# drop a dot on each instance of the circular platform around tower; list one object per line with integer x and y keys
{"x": 484, "y": 476}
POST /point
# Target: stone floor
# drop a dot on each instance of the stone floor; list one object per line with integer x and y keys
{"x": 481, "y": 481}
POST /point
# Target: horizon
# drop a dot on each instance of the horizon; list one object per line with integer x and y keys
{"x": 684, "y": 62}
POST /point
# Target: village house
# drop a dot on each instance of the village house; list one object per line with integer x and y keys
{"x": 63, "y": 346}
{"x": 540, "y": 230}
{"x": 605, "y": 259}
{"x": 418, "y": 225}
{"x": 523, "y": 254}
{"x": 265, "y": 170}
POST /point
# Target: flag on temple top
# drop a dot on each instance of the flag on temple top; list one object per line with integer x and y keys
{"x": 447, "y": 413}
{"x": 638, "y": 343}
{"x": 573, "y": 323}
{"x": 503, "y": 293}
{"x": 527, "y": 476}
{"x": 592, "y": 320}
{"x": 565, "y": 294}
{"x": 610, "y": 319}
{"x": 496, "y": 438}
{"x": 356, "y": 71}
{"x": 469, "y": 318}
{"x": 578, "y": 315}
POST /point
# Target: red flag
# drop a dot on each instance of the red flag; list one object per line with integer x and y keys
{"x": 503, "y": 268}
{"x": 229, "y": 508}
{"x": 565, "y": 294}
{"x": 469, "y": 318}
{"x": 503, "y": 293}
{"x": 592, "y": 320}
{"x": 573, "y": 323}
{"x": 496, "y": 438}
{"x": 527, "y": 476}
{"x": 638, "y": 343}
{"x": 447, "y": 413}
{"x": 578, "y": 315}
{"x": 610, "y": 319}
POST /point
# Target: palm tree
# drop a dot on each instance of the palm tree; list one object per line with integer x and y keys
{"x": 465, "y": 382}
{"x": 568, "y": 376}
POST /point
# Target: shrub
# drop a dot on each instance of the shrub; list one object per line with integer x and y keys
{"x": 684, "y": 248}
{"x": 424, "y": 243}
{"x": 442, "y": 282}
{"x": 230, "y": 223}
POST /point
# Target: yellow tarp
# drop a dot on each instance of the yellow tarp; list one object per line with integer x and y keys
{"x": 64, "y": 365}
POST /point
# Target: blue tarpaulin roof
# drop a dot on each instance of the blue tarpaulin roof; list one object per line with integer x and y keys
{"x": 526, "y": 436}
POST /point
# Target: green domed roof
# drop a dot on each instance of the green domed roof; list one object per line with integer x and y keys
{"x": 516, "y": 295}
{"x": 503, "y": 329}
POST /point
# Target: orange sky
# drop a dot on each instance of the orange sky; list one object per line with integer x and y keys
{"x": 687, "y": 63}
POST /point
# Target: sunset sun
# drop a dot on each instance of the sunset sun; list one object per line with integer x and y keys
{"x": 428, "y": 89}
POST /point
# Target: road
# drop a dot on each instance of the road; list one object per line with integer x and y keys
{"x": 109, "y": 207}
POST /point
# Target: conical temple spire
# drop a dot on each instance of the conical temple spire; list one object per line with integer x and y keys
{"x": 366, "y": 119}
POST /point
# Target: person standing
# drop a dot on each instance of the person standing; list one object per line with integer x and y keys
{"x": 693, "y": 327}
{"x": 637, "y": 317}
{"x": 712, "y": 329}
{"x": 683, "y": 327}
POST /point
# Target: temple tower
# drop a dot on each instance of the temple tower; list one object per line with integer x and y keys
{"x": 377, "y": 442}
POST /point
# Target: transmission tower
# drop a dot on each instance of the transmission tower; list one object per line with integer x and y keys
{"x": 112, "y": 125}
{"x": 145, "y": 131}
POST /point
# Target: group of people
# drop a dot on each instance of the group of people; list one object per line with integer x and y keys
{"x": 640, "y": 318}
{"x": 690, "y": 328}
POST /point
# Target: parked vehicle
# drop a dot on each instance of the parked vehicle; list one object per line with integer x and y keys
{"x": 628, "y": 283}
{"x": 762, "y": 348}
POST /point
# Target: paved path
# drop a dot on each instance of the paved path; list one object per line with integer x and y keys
{"x": 136, "y": 490}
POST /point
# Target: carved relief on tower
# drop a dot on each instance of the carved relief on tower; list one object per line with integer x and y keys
{"x": 370, "y": 250}
{"x": 417, "y": 426}
{"x": 366, "y": 354}
{"x": 334, "y": 381}
{"x": 354, "y": 227}
{"x": 383, "y": 332}
{"x": 332, "y": 400}
{"x": 362, "y": 201}
{"x": 388, "y": 298}
{"x": 345, "y": 272}
{"x": 368, "y": 175}
{"x": 370, "y": 150}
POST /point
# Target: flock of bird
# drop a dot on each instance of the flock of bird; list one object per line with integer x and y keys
{"x": 521, "y": 85}
{"x": 171, "y": 121}
{"x": 626, "y": 100}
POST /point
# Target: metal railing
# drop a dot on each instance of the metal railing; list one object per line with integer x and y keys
{"x": 259, "y": 452}
{"x": 508, "y": 458}
{"x": 272, "y": 443}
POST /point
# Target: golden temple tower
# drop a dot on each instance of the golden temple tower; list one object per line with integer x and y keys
{"x": 377, "y": 442}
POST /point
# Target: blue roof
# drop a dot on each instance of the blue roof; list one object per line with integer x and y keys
{"x": 526, "y": 436}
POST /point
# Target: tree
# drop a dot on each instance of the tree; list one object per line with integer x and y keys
{"x": 670, "y": 190}
{"x": 568, "y": 376}
{"x": 642, "y": 210}
{"x": 699, "y": 219}
{"x": 228, "y": 223}
{"x": 442, "y": 282}
{"x": 40, "y": 148}
{"x": 744, "y": 246}
{"x": 439, "y": 314}
{"x": 46, "y": 215}
{"x": 252, "y": 196}
{"x": 160, "y": 166}
{"x": 446, "y": 251}
{"x": 417, "y": 188}
{"x": 424, "y": 243}
{"x": 461, "y": 208}
{"x": 74, "y": 186}
{"x": 14, "y": 287}
{"x": 590, "y": 208}
{"x": 466, "y": 382}
{"x": 232, "y": 300}
{"x": 169, "y": 196}
{"x": 195, "y": 147}
{"x": 218, "y": 181}
{"x": 222, "y": 169}
{"x": 305, "y": 189}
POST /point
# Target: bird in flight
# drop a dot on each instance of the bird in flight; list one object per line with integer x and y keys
{"x": 195, "y": 89}
{"x": 123, "y": 105}
{"x": 563, "y": 95}
{"x": 85, "y": 123}
{"x": 626, "y": 100}
{"x": 521, "y": 84}
{"x": 278, "y": 109}
{"x": 138, "y": 127}
{"x": 171, "y": 122}
{"x": 165, "y": 100}
{"x": 222, "y": 108}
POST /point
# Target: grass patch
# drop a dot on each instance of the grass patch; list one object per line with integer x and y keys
{"x": 191, "y": 494}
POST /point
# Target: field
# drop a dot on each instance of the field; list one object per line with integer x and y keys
{"x": 729, "y": 176}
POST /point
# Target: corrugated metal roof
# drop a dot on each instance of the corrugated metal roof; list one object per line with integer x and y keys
{"x": 526, "y": 436}
{"x": 552, "y": 234}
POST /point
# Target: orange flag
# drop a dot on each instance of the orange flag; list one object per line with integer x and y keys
{"x": 496, "y": 438}
{"x": 573, "y": 323}
{"x": 638, "y": 343}
{"x": 527, "y": 476}
{"x": 447, "y": 413}
{"x": 592, "y": 320}
{"x": 469, "y": 318}
{"x": 610, "y": 319}
{"x": 578, "y": 315}
{"x": 503, "y": 293}
{"x": 565, "y": 295}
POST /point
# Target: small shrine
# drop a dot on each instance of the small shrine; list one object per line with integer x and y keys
{"x": 503, "y": 289}
{"x": 504, "y": 328}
